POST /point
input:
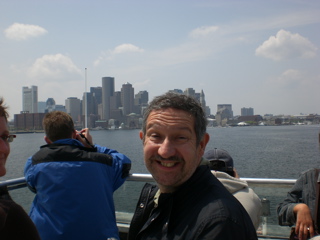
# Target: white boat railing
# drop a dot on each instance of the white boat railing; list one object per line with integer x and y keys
{"x": 144, "y": 177}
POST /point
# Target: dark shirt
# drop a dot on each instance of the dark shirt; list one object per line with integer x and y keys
{"x": 14, "y": 221}
{"x": 202, "y": 208}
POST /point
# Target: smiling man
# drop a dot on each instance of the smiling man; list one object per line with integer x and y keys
{"x": 14, "y": 221}
{"x": 188, "y": 201}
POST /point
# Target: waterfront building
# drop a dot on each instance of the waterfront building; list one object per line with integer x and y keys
{"x": 30, "y": 99}
{"x": 224, "y": 113}
{"x": 107, "y": 92}
{"x": 227, "y": 109}
{"x": 247, "y": 111}
{"x": 253, "y": 119}
{"x": 28, "y": 121}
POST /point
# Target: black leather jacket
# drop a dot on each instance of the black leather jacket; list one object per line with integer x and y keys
{"x": 200, "y": 209}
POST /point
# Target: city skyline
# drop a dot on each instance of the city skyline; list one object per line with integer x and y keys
{"x": 250, "y": 53}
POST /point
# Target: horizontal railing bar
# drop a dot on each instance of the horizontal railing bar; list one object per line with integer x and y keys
{"x": 144, "y": 177}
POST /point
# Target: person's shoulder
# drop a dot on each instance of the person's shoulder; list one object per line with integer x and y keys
{"x": 309, "y": 171}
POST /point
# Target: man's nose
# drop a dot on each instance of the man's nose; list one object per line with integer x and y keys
{"x": 4, "y": 146}
{"x": 166, "y": 149}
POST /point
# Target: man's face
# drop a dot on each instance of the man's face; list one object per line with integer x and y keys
{"x": 170, "y": 151}
{"x": 4, "y": 145}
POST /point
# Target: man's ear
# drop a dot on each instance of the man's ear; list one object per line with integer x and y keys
{"x": 141, "y": 135}
{"x": 74, "y": 134}
{"x": 47, "y": 140}
{"x": 203, "y": 142}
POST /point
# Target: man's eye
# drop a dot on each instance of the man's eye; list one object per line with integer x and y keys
{"x": 8, "y": 138}
{"x": 182, "y": 139}
{"x": 154, "y": 136}
{"x": 4, "y": 137}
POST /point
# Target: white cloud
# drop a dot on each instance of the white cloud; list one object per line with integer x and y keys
{"x": 290, "y": 78}
{"x": 286, "y": 45}
{"x": 123, "y": 48}
{"x": 55, "y": 67}
{"x": 203, "y": 31}
{"x": 19, "y": 31}
{"x": 142, "y": 84}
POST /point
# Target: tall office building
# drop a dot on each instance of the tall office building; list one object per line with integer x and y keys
{"x": 190, "y": 92}
{"x": 141, "y": 98}
{"x": 73, "y": 108}
{"x": 127, "y": 98}
{"x": 30, "y": 99}
{"x": 107, "y": 92}
{"x": 97, "y": 94}
{"x": 247, "y": 111}
{"x": 89, "y": 102}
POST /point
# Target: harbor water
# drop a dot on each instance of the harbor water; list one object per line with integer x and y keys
{"x": 258, "y": 152}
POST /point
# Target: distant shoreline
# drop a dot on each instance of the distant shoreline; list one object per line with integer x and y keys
{"x": 22, "y": 131}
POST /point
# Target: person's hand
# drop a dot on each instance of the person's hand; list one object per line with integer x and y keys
{"x": 304, "y": 223}
{"x": 84, "y": 137}
{"x": 236, "y": 175}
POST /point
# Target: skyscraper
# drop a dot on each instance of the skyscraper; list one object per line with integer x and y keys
{"x": 127, "y": 98}
{"x": 190, "y": 92}
{"x": 30, "y": 99}
{"x": 141, "y": 98}
{"x": 107, "y": 92}
{"x": 73, "y": 108}
{"x": 97, "y": 94}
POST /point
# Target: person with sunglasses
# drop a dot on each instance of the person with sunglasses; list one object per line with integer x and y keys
{"x": 14, "y": 221}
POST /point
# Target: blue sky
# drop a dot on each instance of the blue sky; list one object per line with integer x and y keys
{"x": 251, "y": 53}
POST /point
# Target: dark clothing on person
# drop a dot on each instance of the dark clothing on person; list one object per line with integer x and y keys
{"x": 14, "y": 221}
{"x": 201, "y": 208}
{"x": 304, "y": 191}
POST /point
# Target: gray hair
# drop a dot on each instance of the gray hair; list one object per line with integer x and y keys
{"x": 181, "y": 102}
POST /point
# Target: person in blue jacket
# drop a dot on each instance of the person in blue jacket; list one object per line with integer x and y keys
{"x": 74, "y": 183}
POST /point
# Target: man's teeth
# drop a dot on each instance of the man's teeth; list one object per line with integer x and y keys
{"x": 166, "y": 164}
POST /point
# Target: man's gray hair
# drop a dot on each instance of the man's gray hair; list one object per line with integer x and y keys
{"x": 181, "y": 102}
